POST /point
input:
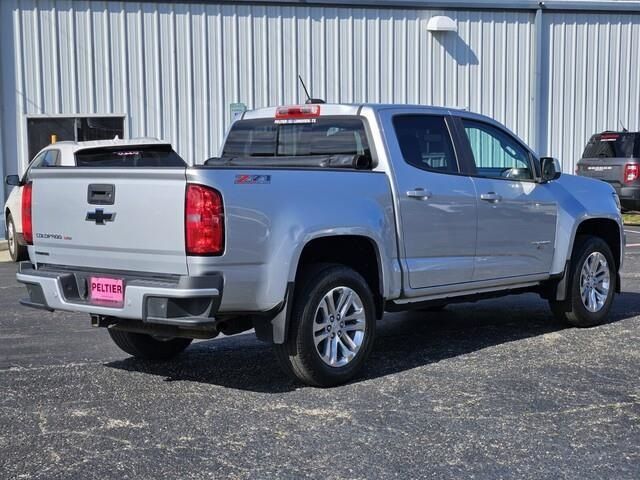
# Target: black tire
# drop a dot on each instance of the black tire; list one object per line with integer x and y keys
{"x": 146, "y": 347}
{"x": 572, "y": 310}
{"x": 17, "y": 252}
{"x": 298, "y": 356}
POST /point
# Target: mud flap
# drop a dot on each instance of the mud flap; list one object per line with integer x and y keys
{"x": 274, "y": 327}
{"x": 563, "y": 284}
{"x": 280, "y": 323}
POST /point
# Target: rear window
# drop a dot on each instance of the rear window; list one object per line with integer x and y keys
{"x": 613, "y": 145}
{"x": 130, "y": 156}
{"x": 325, "y": 136}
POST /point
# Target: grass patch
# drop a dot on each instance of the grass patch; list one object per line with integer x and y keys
{"x": 631, "y": 218}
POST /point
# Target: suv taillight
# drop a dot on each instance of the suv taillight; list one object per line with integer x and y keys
{"x": 203, "y": 221}
{"x": 631, "y": 172}
{"x": 27, "y": 225}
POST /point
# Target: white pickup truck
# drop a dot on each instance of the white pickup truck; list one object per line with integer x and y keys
{"x": 314, "y": 221}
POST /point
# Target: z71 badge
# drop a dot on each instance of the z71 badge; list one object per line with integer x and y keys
{"x": 252, "y": 179}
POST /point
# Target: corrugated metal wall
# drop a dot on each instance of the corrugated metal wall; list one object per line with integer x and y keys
{"x": 592, "y": 79}
{"x": 174, "y": 69}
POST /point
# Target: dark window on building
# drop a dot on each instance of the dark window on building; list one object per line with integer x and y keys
{"x": 425, "y": 142}
{"x": 41, "y": 131}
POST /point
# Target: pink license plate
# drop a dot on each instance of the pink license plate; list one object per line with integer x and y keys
{"x": 106, "y": 291}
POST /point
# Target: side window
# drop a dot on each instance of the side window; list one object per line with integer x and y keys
{"x": 425, "y": 142}
{"x": 50, "y": 158}
{"x": 497, "y": 154}
{"x": 38, "y": 161}
{"x": 35, "y": 163}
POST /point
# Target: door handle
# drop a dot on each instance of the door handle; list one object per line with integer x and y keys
{"x": 491, "y": 197}
{"x": 419, "y": 194}
{"x": 101, "y": 194}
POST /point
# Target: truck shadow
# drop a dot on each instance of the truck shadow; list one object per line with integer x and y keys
{"x": 404, "y": 341}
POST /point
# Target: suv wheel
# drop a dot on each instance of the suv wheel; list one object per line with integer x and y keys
{"x": 592, "y": 283}
{"x": 148, "y": 347}
{"x": 332, "y": 327}
{"x": 16, "y": 251}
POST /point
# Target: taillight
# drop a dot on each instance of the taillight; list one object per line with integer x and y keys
{"x": 297, "y": 112}
{"x": 203, "y": 221}
{"x": 631, "y": 172}
{"x": 609, "y": 137}
{"x": 27, "y": 225}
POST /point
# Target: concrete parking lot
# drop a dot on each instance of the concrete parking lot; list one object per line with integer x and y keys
{"x": 494, "y": 389}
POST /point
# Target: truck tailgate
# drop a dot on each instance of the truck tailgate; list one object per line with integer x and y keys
{"x": 610, "y": 170}
{"x": 140, "y": 227}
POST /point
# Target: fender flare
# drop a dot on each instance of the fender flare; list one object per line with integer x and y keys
{"x": 279, "y": 323}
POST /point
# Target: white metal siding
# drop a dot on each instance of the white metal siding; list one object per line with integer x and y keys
{"x": 173, "y": 69}
{"x": 592, "y": 79}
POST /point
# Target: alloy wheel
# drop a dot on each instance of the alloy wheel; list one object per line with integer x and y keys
{"x": 339, "y": 326}
{"x": 595, "y": 282}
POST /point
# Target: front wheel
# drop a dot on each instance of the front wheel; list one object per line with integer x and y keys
{"x": 332, "y": 327}
{"x": 591, "y": 284}
{"x": 148, "y": 347}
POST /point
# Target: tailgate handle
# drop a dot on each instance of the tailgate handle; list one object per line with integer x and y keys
{"x": 101, "y": 194}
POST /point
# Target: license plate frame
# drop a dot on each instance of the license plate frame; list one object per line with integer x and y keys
{"x": 106, "y": 291}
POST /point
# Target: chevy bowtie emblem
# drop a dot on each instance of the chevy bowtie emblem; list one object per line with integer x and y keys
{"x": 100, "y": 217}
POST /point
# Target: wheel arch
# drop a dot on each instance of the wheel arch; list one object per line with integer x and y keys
{"x": 358, "y": 251}
{"x": 329, "y": 248}
{"x": 610, "y": 231}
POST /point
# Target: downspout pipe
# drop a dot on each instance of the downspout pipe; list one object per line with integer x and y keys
{"x": 538, "y": 98}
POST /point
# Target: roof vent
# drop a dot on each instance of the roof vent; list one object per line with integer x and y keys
{"x": 440, "y": 23}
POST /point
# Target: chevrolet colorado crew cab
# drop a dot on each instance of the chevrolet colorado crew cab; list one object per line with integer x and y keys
{"x": 314, "y": 220}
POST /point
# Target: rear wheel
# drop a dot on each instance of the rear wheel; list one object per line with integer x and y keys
{"x": 332, "y": 327}
{"x": 16, "y": 251}
{"x": 592, "y": 283}
{"x": 148, "y": 347}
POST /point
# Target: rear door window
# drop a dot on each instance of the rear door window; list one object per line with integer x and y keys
{"x": 324, "y": 136}
{"x": 425, "y": 142}
{"x": 613, "y": 145}
{"x": 130, "y": 156}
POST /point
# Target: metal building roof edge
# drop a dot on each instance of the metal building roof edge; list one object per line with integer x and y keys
{"x": 629, "y": 6}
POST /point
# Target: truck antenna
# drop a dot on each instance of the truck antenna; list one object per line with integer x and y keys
{"x": 624, "y": 129}
{"x": 306, "y": 92}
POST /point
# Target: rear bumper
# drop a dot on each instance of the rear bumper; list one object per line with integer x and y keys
{"x": 629, "y": 196}
{"x": 181, "y": 301}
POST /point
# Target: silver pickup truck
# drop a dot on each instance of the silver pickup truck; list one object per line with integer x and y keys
{"x": 314, "y": 221}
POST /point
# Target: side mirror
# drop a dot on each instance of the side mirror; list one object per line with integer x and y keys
{"x": 12, "y": 180}
{"x": 551, "y": 169}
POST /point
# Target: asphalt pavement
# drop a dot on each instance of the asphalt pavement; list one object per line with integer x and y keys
{"x": 494, "y": 389}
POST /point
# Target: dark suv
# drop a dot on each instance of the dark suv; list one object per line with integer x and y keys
{"x": 615, "y": 158}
